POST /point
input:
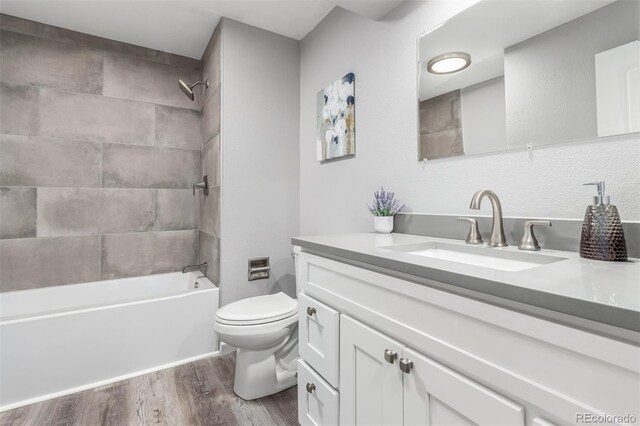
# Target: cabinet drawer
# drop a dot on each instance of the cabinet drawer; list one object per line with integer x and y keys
{"x": 319, "y": 337}
{"x": 317, "y": 400}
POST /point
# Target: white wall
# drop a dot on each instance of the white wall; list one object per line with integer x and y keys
{"x": 260, "y": 153}
{"x": 550, "y": 79}
{"x": 484, "y": 117}
{"x": 546, "y": 182}
{"x": 618, "y": 89}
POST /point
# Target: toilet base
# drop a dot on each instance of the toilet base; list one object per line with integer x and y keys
{"x": 258, "y": 374}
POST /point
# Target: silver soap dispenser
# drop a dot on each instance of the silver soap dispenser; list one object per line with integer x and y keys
{"x": 602, "y": 234}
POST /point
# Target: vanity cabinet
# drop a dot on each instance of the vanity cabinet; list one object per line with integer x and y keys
{"x": 464, "y": 361}
{"x": 386, "y": 383}
{"x": 436, "y": 395}
{"x": 318, "y": 336}
{"x": 370, "y": 380}
{"x": 318, "y": 401}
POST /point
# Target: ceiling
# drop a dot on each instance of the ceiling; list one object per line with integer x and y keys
{"x": 184, "y": 27}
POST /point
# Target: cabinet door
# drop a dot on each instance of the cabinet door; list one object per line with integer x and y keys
{"x": 434, "y": 395}
{"x": 317, "y": 400}
{"x": 319, "y": 329}
{"x": 370, "y": 385}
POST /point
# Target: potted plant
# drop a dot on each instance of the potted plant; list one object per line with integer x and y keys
{"x": 384, "y": 207}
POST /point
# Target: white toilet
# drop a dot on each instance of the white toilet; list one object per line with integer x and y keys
{"x": 265, "y": 331}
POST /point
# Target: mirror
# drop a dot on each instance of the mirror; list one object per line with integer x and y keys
{"x": 537, "y": 72}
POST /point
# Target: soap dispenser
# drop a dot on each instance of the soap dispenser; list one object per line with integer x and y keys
{"x": 602, "y": 234}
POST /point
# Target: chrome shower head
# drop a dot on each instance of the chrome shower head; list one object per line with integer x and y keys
{"x": 188, "y": 89}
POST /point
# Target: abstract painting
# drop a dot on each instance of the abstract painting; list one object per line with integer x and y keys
{"x": 336, "y": 120}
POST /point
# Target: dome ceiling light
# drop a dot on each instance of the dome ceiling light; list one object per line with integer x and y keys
{"x": 448, "y": 63}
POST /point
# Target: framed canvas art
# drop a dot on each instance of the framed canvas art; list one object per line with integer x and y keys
{"x": 336, "y": 120}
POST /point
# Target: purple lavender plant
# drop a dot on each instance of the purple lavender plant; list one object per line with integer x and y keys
{"x": 384, "y": 204}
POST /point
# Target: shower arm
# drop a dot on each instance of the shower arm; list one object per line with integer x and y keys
{"x": 206, "y": 83}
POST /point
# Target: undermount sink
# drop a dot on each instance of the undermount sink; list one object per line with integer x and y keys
{"x": 493, "y": 258}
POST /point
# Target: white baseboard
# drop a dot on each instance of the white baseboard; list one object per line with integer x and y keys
{"x": 226, "y": 349}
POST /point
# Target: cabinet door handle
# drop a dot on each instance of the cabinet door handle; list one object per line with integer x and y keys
{"x": 311, "y": 311}
{"x": 405, "y": 365}
{"x": 390, "y": 356}
{"x": 311, "y": 387}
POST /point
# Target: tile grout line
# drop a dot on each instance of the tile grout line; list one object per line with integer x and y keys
{"x": 101, "y": 95}
{"x": 107, "y": 234}
{"x": 40, "y": 139}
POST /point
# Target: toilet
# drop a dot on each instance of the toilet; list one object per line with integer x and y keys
{"x": 265, "y": 331}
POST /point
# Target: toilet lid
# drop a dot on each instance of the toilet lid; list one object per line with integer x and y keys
{"x": 258, "y": 310}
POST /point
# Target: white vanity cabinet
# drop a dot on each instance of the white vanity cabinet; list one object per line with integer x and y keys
{"x": 370, "y": 380}
{"x": 465, "y": 361}
{"x": 386, "y": 383}
{"x": 318, "y": 344}
{"x": 436, "y": 395}
{"x": 318, "y": 336}
{"x": 318, "y": 401}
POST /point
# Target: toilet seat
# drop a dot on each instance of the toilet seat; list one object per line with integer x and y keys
{"x": 258, "y": 310}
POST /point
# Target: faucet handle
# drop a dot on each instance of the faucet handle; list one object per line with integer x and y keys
{"x": 529, "y": 240}
{"x": 474, "y": 236}
{"x": 204, "y": 185}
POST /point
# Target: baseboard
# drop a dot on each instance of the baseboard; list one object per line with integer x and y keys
{"x": 226, "y": 349}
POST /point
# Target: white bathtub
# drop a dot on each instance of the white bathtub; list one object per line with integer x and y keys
{"x": 59, "y": 340}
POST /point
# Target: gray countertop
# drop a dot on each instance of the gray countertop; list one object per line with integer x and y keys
{"x": 599, "y": 292}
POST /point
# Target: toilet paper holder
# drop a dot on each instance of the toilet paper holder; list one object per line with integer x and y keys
{"x": 258, "y": 268}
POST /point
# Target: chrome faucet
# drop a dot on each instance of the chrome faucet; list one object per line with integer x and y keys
{"x": 497, "y": 230}
{"x": 201, "y": 267}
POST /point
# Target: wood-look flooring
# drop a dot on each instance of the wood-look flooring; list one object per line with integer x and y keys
{"x": 199, "y": 393}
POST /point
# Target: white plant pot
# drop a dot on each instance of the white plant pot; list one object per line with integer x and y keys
{"x": 383, "y": 224}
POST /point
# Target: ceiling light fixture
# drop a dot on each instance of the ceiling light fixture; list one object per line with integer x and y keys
{"x": 448, "y": 63}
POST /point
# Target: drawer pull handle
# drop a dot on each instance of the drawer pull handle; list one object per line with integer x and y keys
{"x": 390, "y": 356}
{"x": 311, "y": 311}
{"x": 311, "y": 387}
{"x": 405, "y": 365}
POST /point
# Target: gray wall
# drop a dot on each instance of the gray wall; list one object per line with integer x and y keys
{"x": 550, "y": 78}
{"x": 260, "y": 152}
{"x": 98, "y": 152}
{"x": 209, "y": 206}
{"x": 544, "y": 183}
{"x": 484, "y": 117}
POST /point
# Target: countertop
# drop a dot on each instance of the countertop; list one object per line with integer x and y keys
{"x": 601, "y": 292}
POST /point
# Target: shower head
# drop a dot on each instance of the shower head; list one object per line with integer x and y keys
{"x": 188, "y": 89}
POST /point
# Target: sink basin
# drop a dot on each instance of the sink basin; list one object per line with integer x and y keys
{"x": 493, "y": 258}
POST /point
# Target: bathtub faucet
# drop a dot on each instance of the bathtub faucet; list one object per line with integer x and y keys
{"x": 201, "y": 267}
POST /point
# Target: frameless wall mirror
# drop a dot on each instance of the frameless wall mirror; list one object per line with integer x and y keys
{"x": 510, "y": 74}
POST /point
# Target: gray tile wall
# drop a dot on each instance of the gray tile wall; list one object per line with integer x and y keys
{"x": 441, "y": 126}
{"x": 98, "y": 152}
{"x": 210, "y": 164}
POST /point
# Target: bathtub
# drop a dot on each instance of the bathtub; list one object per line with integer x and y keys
{"x": 59, "y": 340}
